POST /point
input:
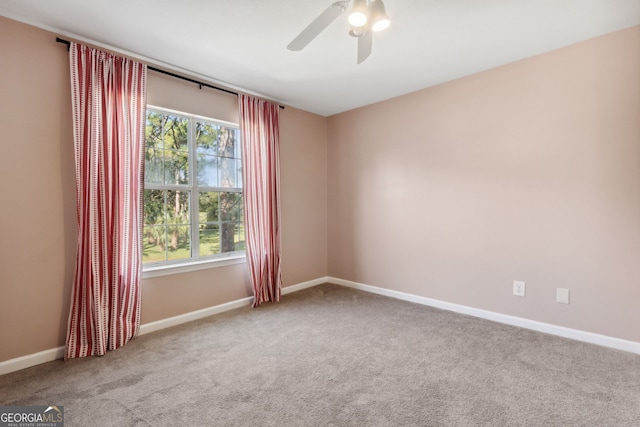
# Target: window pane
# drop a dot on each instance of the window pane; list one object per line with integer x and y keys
{"x": 176, "y": 167}
{"x": 166, "y": 225}
{"x": 209, "y": 239}
{"x": 154, "y": 130}
{"x": 208, "y": 207}
{"x": 177, "y": 207}
{"x": 178, "y": 242}
{"x": 154, "y": 226}
{"x": 175, "y": 133}
{"x": 238, "y": 145}
{"x": 239, "y": 174}
{"x": 155, "y": 247}
{"x": 239, "y": 237}
{"x": 153, "y": 166}
{"x": 227, "y": 237}
{"x": 178, "y": 237}
{"x": 231, "y": 207}
{"x": 206, "y": 138}
{"x": 228, "y": 171}
{"x": 221, "y": 222}
{"x": 154, "y": 148}
{"x": 226, "y": 142}
{"x": 207, "y": 170}
{"x": 154, "y": 207}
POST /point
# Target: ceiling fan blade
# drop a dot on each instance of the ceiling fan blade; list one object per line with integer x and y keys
{"x": 318, "y": 24}
{"x": 365, "y": 44}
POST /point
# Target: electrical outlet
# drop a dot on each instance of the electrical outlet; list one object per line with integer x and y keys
{"x": 562, "y": 295}
{"x": 518, "y": 288}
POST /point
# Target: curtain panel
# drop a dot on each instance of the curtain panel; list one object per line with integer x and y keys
{"x": 259, "y": 127}
{"x": 108, "y": 103}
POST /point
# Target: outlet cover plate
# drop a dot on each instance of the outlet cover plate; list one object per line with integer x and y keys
{"x": 519, "y": 288}
{"x": 562, "y": 295}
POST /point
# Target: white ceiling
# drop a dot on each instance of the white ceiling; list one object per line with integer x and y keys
{"x": 242, "y": 43}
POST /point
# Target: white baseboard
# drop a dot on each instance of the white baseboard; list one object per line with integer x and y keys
{"x": 589, "y": 337}
{"x": 210, "y": 311}
{"x": 305, "y": 285}
{"x": 30, "y": 360}
{"x": 50, "y": 355}
{"x": 193, "y": 315}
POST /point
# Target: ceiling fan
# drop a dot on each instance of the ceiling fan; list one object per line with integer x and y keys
{"x": 365, "y": 18}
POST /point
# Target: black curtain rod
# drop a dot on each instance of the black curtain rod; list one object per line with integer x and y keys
{"x": 177, "y": 76}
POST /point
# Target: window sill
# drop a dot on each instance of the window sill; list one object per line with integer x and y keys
{"x": 165, "y": 270}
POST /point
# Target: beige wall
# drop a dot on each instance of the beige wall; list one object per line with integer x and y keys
{"x": 37, "y": 219}
{"x": 303, "y": 188}
{"x": 530, "y": 172}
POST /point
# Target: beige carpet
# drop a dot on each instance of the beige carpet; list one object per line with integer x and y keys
{"x": 332, "y": 356}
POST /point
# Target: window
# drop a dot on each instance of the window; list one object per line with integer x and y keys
{"x": 193, "y": 206}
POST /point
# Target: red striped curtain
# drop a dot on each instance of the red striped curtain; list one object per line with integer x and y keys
{"x": 109, "y": 102}
{"x": 259, "y": 127}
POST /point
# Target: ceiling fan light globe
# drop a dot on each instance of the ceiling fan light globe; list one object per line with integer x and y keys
{"x": 359, "y": 14}
{"x": 379, "y": 16}
{"x": 380, "y": 24}
{"x": 357, "y": 18}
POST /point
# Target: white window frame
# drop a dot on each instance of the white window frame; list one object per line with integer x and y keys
{"x": 196, "y": 262}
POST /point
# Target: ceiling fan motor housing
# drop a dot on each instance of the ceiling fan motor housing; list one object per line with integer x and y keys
{"x": 365, "y": 17}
